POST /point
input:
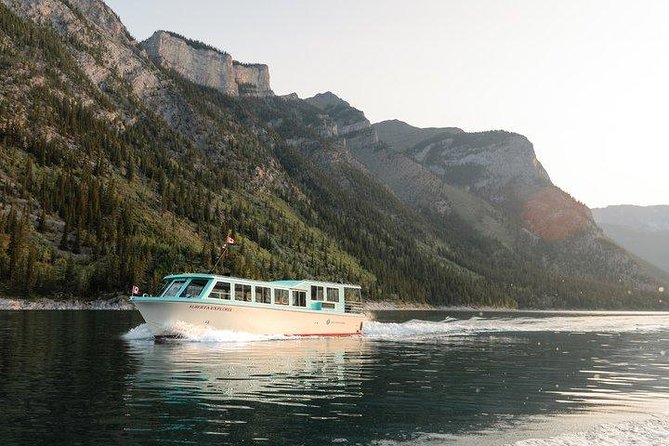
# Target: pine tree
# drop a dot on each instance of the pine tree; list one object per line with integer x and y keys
{"x": 16, "y": 247}
{"x": 30, "y": 271}
{"x": 42, "y": 225}
{"x": 63, "y": 240}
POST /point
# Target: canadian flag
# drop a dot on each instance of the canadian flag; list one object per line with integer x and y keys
{"x": 135, "y": 290}
{"x": 230, "y": 241}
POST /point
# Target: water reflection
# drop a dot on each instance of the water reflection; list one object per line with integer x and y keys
{"x": 357, "y": 389}
{"x": 288, "y": 372}
{"x": 71, "y": 378}
{"x": 252, "y": 390}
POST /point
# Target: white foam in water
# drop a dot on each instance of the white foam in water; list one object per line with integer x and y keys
{"x": 140, "y": 332}
{"x": 653, "y": 432}
{"x": 192, "y": 333}
{"x": 475, "y": 325}
{"x": 448, "y": 327}
{"x": 648, "y": 432}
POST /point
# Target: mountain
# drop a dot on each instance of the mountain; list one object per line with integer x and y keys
{"x": 122, "y": 161}
{"x": 649, "y": 218}
{"x": 643, "y": 230}
{"x": 401, "y": 136}
{"x": 207, "y": 66}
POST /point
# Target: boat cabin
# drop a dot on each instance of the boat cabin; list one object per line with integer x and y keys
{"x": 308, "y": 295}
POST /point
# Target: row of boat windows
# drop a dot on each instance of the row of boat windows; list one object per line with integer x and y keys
{"x": 325, "y": 296}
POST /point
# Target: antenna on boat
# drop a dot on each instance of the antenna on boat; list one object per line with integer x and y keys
{"x": 228, "y": 241}
{"x": 223, "y": 251}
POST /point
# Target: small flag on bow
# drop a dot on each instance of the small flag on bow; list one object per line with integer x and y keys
{"x": 230, "y": 241}
{"x": 135, "y": 290}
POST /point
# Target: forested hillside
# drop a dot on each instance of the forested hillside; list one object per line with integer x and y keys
{"x": 116, "y": 171}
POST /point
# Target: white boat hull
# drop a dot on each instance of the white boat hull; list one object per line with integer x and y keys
{"x": 162, "y": 315}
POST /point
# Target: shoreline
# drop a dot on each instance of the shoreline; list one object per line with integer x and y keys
{"x": 43, "y": 303}
{"x": 121, "y": 303}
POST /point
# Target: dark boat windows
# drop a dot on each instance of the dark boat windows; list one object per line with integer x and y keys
{"x": 317, "y": 293}
{"x": 281, "y": 297}
{"x": 333, "y": 294}
{"x": 166, "y": 286}
{"x": 300, "y": 298}
{"x": 263, "y": 295}
{"x": 243, "y": 292}
{"x": 221, "y": 291}
{"x": 173, "y": 288}
{"x": 352, "y": 300}
{"x": 194, "y": 288}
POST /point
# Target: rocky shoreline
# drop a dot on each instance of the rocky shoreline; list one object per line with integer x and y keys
{"x": 115, "y": 303}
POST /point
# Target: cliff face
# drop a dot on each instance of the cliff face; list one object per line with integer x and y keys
{"x": 207, "y": 66}
{"x": 252, "y": 79}
{"x": 499, "y": 167}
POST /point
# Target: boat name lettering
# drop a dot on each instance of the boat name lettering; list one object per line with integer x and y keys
{"x": 209, "y": 307}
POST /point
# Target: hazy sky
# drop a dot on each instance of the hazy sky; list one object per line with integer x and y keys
{"x": 586, "y": 81}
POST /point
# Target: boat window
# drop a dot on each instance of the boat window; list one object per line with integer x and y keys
{"x": 243, "y": 292}
{"x": 263, "y": 295}
{"x": 194, "y": 288}
{"x": 333, "y": 294}
{"x": 328, "y": 306}
{"x": 300, "y": 298}
{"x": 352, "y": 295}
{"x": 352, "y": 300}
{"x": 281, "y": 297}
{"x": 174, "y": 288}
{"x": 317, "y": 293}
{"x": 221, "y": 291}
{"x": 166, "y": 285}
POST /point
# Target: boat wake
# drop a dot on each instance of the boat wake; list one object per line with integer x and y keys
{"x": 646, "y": 432}
{"x": 191, "y": 333}
{"x": 417, "y": 329}
{"x": 477, "y": 325}
{"x": 652, "y": 432}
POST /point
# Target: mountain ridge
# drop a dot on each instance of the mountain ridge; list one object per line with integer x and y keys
{"x": 118, "y": 169}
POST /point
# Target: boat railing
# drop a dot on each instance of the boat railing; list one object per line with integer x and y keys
{"x": 353, "y": 307}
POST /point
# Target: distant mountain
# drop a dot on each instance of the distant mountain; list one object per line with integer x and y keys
{"x": 122, "y": 161}
{"x": 401, "y": 136}
{"x": 650, "y": 218}
{"x": 643, "y": 230}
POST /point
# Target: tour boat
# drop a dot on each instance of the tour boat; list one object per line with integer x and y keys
{"x": 280, "y": 307}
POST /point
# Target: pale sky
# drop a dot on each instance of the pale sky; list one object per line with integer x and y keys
{"x": 586, "y": 81}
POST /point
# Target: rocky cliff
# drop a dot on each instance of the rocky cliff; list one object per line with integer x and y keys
{"x": 497, "y": 166}
{"x": 207, "y": 66}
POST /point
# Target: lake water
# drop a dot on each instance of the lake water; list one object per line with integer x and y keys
{"x": 492, "y": 378}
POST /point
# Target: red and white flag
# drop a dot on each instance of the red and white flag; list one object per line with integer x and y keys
{"x": 230, "y": 241}
{"x": 135, "y": 290}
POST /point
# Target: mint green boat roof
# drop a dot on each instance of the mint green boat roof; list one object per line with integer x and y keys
{"x": 287, "y": 283}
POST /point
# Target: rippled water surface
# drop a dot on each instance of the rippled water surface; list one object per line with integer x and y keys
{"x": 414, "y": 377}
